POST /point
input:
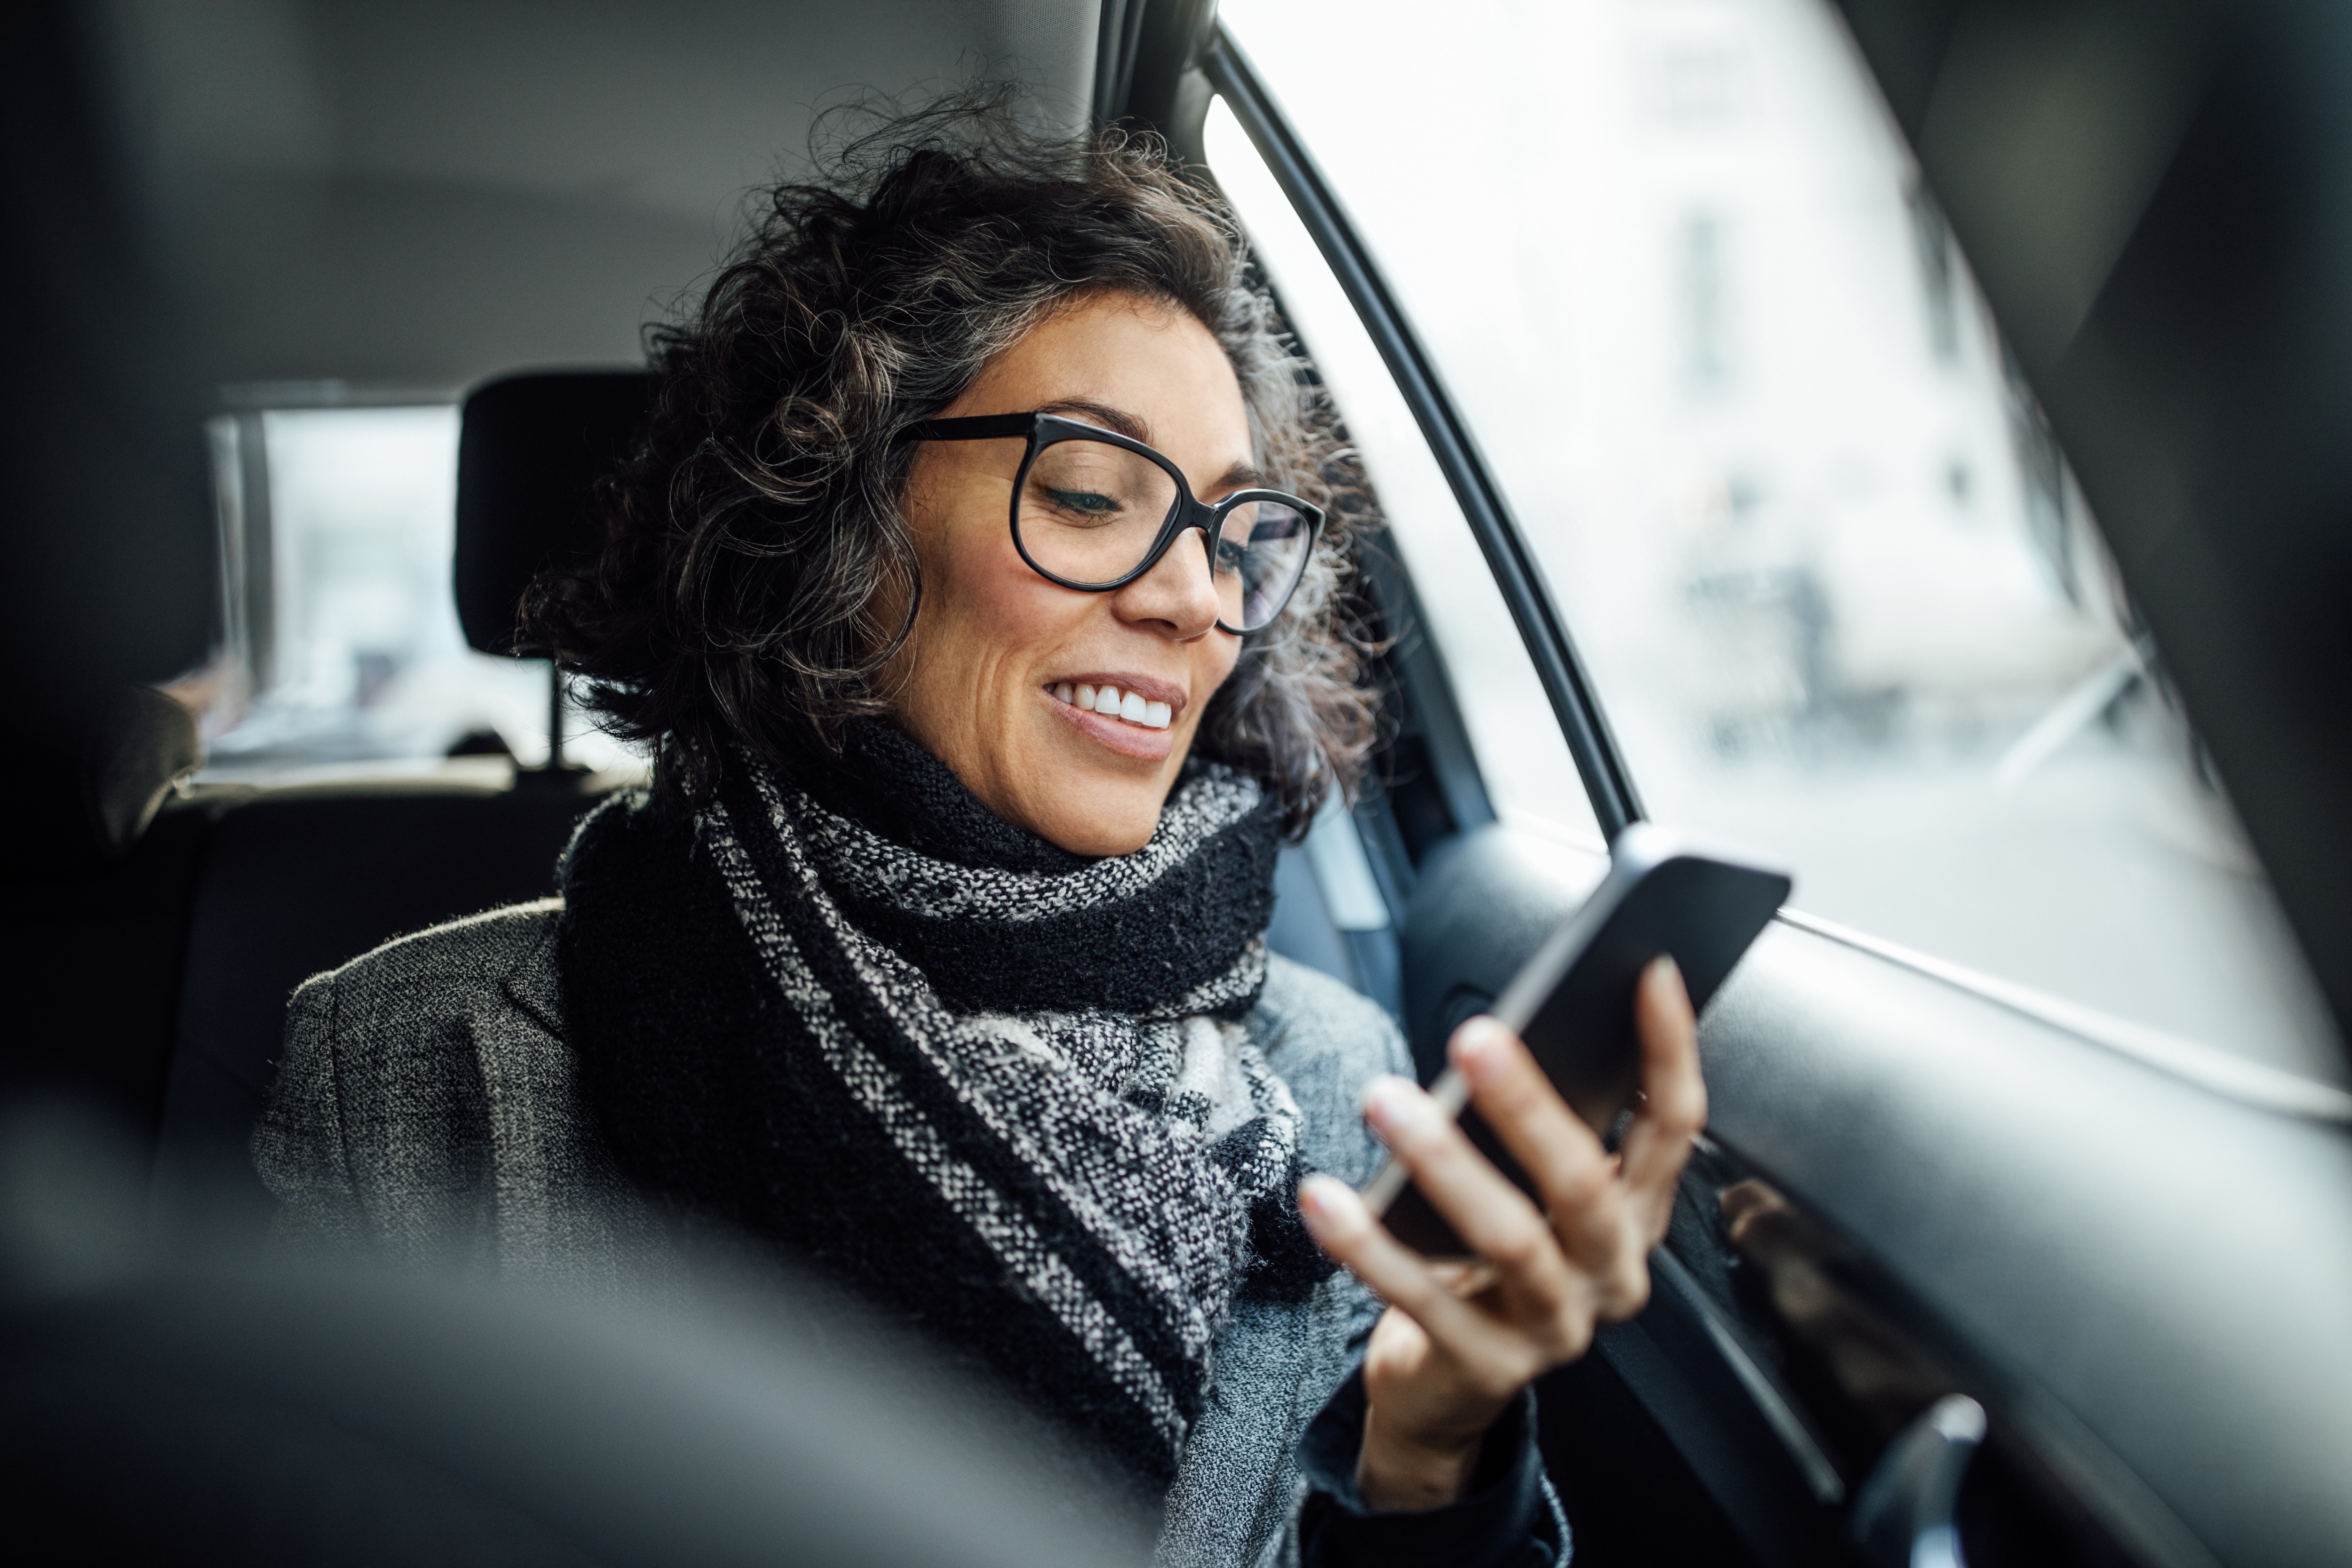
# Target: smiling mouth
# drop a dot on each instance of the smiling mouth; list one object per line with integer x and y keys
{"x": 1127, "y": 707}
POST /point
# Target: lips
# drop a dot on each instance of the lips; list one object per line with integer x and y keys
{"x": 1125, "y": 712}
{"x": 1128, "y": 706}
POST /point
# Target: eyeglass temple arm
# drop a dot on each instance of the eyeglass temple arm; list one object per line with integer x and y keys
{"x": 978, "y": 427}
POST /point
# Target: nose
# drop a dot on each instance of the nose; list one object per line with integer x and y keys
{"x": 1177, "y": 597}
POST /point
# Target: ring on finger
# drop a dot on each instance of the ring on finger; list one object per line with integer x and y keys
{"x": 1474, "y": 1280}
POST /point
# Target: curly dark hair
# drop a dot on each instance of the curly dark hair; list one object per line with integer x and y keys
{"x": 751, "y": 543}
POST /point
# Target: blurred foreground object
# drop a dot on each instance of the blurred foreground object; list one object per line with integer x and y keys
{"x": 229, "y": 1412}
{"x": 91, "y": 794}
{"x": 109, "y": 539}
{"x": 2152, "y": 198}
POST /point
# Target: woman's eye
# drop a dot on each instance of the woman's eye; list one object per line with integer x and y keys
{"x": 1085, "y": 503}
{"x": 1228, "y": 555}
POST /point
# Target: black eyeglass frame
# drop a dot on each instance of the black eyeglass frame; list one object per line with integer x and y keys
{"x": 1043, "y": 431}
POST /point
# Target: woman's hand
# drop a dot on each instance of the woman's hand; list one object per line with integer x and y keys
{"x": 1459, "y": 1341}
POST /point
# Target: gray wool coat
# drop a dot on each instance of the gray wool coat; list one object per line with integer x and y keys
{"x": 428, "y": 1111}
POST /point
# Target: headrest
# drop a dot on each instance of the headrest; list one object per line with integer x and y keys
{"x": 528, "y": 456}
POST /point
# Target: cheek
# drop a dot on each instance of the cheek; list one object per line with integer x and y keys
{"x": 995, "y": 613}
{"x": 1214, "y": 658}
{"x": 1219, "y": 655}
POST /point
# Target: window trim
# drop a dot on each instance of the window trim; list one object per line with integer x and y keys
{"x": 1607, "y": 782}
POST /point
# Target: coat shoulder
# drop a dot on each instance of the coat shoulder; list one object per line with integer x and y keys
{"x": 1304, "y": 1012}
{"x": 428, "y": 1107}
{"x": 386, "y": 1073}
{"x": 1328, "y": 1042}
{"x": 470, "y": 965}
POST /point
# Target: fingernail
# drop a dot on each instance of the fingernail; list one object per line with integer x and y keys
{"x": 1392, "y": 1102}
{"x": 1665, "y": 966}
{"x": 1476, "y": 1043}
{"x": 1322, "y": 1199}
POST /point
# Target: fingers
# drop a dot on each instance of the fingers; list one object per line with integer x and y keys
{"x": 1585, "y": 1253}
{"x": 1345, "y": 1229}
{"x": 1597, "y": 1223}
{"x": 1673, "y": 1107}
{"x": 1489, "y": 1355}
{"x": 1490, "y": 1215}
{"x": 1550, "y": 1142}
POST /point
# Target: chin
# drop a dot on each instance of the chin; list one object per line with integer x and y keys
{"x": 1101, "y": 838}
{"x": 1117, "y": 827}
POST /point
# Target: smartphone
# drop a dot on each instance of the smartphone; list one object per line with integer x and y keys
{"x": 1572, "y": 1002}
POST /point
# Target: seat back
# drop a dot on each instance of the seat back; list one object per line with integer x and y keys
{"x": 297, "y": 881}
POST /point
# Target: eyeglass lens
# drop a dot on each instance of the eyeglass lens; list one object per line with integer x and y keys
{"x": 1090, "y": 512}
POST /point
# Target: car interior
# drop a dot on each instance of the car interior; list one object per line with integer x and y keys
{"x": 1967, "y": 1269}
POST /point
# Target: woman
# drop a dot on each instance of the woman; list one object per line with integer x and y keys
{"x": 976, "y": 591}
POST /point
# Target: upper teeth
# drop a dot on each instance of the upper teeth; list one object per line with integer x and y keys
{"x": 1109, "y": 700}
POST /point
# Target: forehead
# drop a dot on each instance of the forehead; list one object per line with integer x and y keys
{"x": 1154, "y": 363}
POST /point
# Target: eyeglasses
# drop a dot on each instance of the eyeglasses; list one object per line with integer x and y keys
{"x": 1094, "y": 510}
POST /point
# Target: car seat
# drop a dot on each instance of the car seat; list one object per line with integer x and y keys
{"x": 294, "y": 881}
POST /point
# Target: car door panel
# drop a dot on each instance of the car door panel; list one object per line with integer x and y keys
{"x": 2076, "y": 1232}
{"x": 2138, "y": 1256}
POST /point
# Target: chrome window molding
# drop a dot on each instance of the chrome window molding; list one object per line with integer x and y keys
{"x": 2249, "y": 1083}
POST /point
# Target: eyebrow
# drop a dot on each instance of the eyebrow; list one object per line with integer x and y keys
{"x": 1242, "y": 476}
{"x": 1104, "y": 415}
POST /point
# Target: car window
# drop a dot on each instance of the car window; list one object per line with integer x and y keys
{"x": 342, "y": 640}
{"x": 1531, "y": 779}
{"x": 1841, "y": 599}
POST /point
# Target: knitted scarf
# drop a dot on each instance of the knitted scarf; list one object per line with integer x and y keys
{"x": 1003, "y": 1091}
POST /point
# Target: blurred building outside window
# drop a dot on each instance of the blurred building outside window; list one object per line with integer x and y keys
{"x": 338, "y": 529}
{"x": 1819, "y": 548}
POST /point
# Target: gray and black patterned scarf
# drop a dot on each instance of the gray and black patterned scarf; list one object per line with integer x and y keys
{"x": 1005, "y": 1091}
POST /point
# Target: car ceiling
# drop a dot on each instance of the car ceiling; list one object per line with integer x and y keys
{"x": 406, "y": 195}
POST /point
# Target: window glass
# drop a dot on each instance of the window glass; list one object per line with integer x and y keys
{"x": 1841, "y": 601}
{"x": 1529, "y": 776}
{"x": 340, "y": 525}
